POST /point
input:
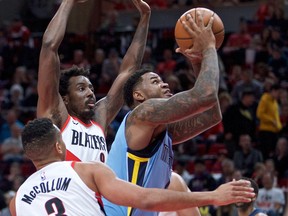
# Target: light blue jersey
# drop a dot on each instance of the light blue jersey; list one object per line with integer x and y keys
{"x": 150, "y": 167}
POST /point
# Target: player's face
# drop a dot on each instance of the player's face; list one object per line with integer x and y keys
{"x": 81, "y": 100}
{"x": 153, "y": 86}
{"x": 243, "y": 206}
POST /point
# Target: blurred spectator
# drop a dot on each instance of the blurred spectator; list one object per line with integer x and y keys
{"x": 218, "y": 165}
{"x": 78, "y": 59}
{"x": 278, "y": 63}
{"x": 228, "y": 169}
{"x": 15, "y": 97}
{"x": 237, "y": 174}
{"x": 262, "y": 71}
{"x": 11, "y": 120}
{"x": 245, "y": 158}
{"x": 148, "y": 59}
{"x": 8, "y": 196}
{"x": 270, "y": 167}
{"x": 234, "y": 49}
{"x": 240, "y": 118}
{"x": 174, "y": 83}
{"x": 247, "y": 83}
{"x": 110, "y": 69}
{"x": 11, "y": 147}
{"x": 18, "y": 52}
{"x": 108, "y": 38}
{"x": 270, "y": 199}
{"x": 202, "y": 179}
{"x": 167, "y": 65}
{"x": 96, "y": 67}
{"x": 258, "y": 172}
{"x": 181, "y": 169}
{"x": 262, "y": 50}
{"x": 233, "y": 76}
{"x": 270, "y": 124}
{"x": 265, "y": 11}
{"x": 284, "y": 118}
{"x": 281, "y": 157}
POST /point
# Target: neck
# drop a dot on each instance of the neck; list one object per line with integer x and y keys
{"x": 245, "y": 212}
{"x": 43, "y": 163}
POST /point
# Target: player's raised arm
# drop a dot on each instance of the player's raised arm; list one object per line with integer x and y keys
{"x": 112, "y": 103}
{"x": 50, "y": 103}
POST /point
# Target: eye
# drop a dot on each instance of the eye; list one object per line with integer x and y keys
{"x": 155, "y": 81}
{"x": 81, "y": 88}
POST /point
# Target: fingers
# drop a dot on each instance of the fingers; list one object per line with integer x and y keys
{"x": 210, "y": 23}
{"x": 242, "y": 196}
{"x": 241, "y": 182}
{"x": 200, "y": 19}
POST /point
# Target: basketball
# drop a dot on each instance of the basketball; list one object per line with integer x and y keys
{"x": 183, "y": 38}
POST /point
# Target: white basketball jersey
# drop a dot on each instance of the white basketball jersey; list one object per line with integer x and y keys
{"x": 84, "y": 142}
{"x": 56, "y": 190}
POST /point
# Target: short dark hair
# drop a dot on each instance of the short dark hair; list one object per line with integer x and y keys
{"x": 67, "y": 74}
{"x": 130, "y": 84}
{"x": 254, "y": 185}
{"x": 247, "y": 92}
{"x": 38, "y": 138}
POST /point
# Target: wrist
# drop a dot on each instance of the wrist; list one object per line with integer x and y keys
{"x": 208, "y": 50}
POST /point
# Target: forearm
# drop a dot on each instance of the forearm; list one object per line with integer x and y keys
{"x": 208, "y": 78}
{"x": 192, "y": 126}
{"x": 134, "y": 55}
{"x": 175, "y": 201}
{"x": 55, "y": 31}
{"x": 196, "y": 68}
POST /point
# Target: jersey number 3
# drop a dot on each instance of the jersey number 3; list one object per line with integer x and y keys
{"x": 55, "y": 206}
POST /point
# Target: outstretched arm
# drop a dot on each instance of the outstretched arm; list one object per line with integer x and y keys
{"x": 50, "y": 103}
{"x": 109, "y": 106}
{"x": 102, "y": 179}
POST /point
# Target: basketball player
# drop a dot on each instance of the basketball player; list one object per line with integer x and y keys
{"x": 61, "y": 187}
{"x": 83, "y": 122}
{"x": 72, "y": 106}
{"x": 142, "y": 149}
{"x": 248, "y": 209}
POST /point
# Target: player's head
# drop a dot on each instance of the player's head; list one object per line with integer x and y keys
{"x": 245, "y": 206}
{"x": 42, "y": 139}
{"x": 143, "y": 85}
{"x": 77, "y": 92}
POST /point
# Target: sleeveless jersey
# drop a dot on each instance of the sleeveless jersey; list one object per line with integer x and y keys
{"x": 56, "y": 190}
{"x": 84, "y": 142}
{"x": 255, "y": 212}
{"x": 150, "y": 167}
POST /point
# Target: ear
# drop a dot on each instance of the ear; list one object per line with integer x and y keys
{"x": 59, "y": 148}
{"x": 138, "y": 96}
{"x": 65, "y": 99}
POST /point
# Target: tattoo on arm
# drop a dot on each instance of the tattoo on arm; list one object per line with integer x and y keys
{"x": 191, "y": 127}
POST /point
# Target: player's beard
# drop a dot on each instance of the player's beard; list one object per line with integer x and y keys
{"x": 243, "y": 206}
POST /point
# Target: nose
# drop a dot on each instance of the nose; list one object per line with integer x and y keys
{"x": 90, "y": 92}
{"x": 164, "y": 85}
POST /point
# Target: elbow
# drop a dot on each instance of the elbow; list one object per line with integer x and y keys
{"x": 210, "y": 99}
{"x": 49, "y": 44}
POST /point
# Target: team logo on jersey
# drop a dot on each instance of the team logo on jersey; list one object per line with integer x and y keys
{"x": 75, "y": 122}
{"x": 43, "y": 176}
